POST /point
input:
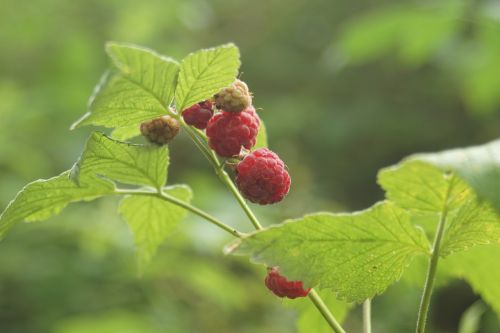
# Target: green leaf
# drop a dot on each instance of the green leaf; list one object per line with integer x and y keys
{"x": 140, "y": 87}
{"x": 261, "y": 141}
{"x": 124, "y": 162}
{"x": 426, "y": 191}
{"x": 422, "y": 188}
{"x": 310, "y": 319}
{"x": 472, "y": 224}
{"x": 206, "y": 72}
{"x": 356, "y": 255}
{"x": 43, "y": 198}
{"x": 152, "y": 219}
{"x": 479, "y": 166}
{"x": 479, "y": 267}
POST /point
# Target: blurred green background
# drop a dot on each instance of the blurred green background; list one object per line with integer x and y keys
{"x": 345, "y": 87}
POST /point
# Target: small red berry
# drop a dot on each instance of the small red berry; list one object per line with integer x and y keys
{"x": 281, "y": 287}
{"x": 160, "y": 130}
{"x": 227, "y": 132}
{"x": 262, "y": 177}
{"x": 234, "y": 98}
{"x": 198, "y": 115}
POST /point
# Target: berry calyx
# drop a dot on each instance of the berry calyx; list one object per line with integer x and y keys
{"x": 234, "y": 98}
{"x": 262, "y": 177}
{"x": 281, "y": 287}
{"x": 160, "y": 130}
{"x": 228, "y": 132}
{"x": 198, "y": 115}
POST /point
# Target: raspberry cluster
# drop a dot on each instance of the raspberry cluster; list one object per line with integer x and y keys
{"x": 261, "y": 176}
{"x": 281, "y": 287}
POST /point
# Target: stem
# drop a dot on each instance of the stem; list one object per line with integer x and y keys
{"x": 367, "y": 316}
{"x": 325, "y": 312}
{"x": 180, "y": 203}
{"x": 229, "y": 183}
{"x": 431, "y": 273}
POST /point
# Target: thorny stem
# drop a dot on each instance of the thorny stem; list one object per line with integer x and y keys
{"x": 431, "y": 273}
{"x": 161, "y": 195}
{"x": 200, "y": 141}
{"x": 367, "y": 316}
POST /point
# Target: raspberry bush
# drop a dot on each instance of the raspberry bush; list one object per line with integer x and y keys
{"x": 450, "y": 197}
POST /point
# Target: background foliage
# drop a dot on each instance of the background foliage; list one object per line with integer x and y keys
{"x": 346, "y": 87}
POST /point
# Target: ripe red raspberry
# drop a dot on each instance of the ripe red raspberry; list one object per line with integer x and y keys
{"x": 281, "y": 287}
{"x": 227, "y": 132}
{"x": 234, "y": 98}
{"x": 262, "y": 177}
{"x": 198, "y": 115}
{"x": 160, "y": 130}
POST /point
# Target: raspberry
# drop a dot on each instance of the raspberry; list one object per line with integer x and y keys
{"x": 160, "y": 130}
{"x": 227, "y": 132}
{"x": 198, "y": 115}
{"x": 281, "y": 287}
{"x": 262, "y": 177}
{"x": 234, "y": 98}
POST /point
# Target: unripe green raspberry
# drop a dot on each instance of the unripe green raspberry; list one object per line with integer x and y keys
{"x": 234, "y": 98}
{"x": 160, "y": 130}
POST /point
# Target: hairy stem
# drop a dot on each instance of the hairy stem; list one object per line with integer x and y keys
{"x": 367, "y": 316}
{"x": 431, "y": 272}
{"x": 185, "y": 205}
{"x": 325, "y": 312}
